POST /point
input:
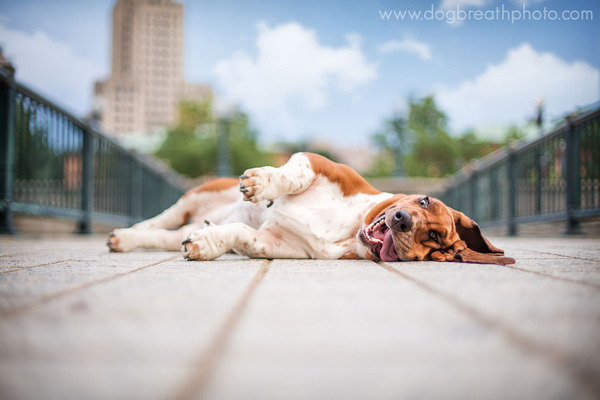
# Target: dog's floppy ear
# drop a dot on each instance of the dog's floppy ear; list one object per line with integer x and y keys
{"x": 478, "y": 248}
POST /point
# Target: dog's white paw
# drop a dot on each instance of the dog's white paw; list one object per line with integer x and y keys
{"x": 259, "y": 184}
{"x": 121, "y": 240}
{"x": 204, "y": 244}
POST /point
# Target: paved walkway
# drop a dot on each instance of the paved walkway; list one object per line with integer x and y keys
{"x": 77, "y": 322}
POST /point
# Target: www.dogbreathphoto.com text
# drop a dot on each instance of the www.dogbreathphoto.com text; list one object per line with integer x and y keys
{"x": 499, "y": 13}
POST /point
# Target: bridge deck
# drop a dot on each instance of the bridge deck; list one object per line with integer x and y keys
{"x": 77, "y": 322}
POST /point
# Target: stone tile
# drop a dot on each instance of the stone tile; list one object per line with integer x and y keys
{"x": 135, "y": 336}
{"x": 555, "y": 317}
{"x": 93, "y": 324}
{"x": 354, "y": 330}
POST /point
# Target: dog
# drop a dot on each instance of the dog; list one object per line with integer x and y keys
{"x": 311, "y": 207}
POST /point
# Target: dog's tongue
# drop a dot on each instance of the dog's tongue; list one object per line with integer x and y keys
{"x": 388, "y": 252}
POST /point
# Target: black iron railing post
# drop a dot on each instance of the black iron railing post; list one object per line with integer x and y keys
{"x": 87, "y": 181}
{"x": 538, "y": 181}
{"x": 496, "y": 193}
{"x": 7, "y": 150}
{"x": 511, "y": 194}
{"x": 473, "y": 199}
{"x": 573, "y": 179}
{"x": 136, "y": 192}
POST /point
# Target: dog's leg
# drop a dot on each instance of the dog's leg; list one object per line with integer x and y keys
{"x": 193, "y": 205}
{"x": 215, "y": 240}
{"x": 122, "y": 240}
{"x": 268, "y": 183}
{"x": 173, "y": 217}
{"x": 195, "y": 202}
{"x": 302, "y": 169}
{"x": 154, "y": 233}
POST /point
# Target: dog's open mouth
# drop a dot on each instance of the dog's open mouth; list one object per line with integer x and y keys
{"x": 378, "y": 237}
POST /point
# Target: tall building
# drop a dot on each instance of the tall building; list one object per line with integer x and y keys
{"x": 146, "y": 81}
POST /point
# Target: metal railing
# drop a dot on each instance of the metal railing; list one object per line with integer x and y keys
{"x": 55, "y": 164}
{"x": 556, "y": 177}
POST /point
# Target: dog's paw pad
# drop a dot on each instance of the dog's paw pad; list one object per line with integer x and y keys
{"x": 190, "y": 250}
{"x": 203, "y": 245}
{"x": 113, "y": 240}
{"x": 256, "y": 184}
{"x": 121, "y": 240}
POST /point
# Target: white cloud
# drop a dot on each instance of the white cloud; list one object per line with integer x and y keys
{"x": 507, "y": 92}
{"x": 292, "y": 70}
{"x": 452, "y": 4}
{"x": 527, "y": 2}
{"x": 409, "y": 45}
{"x": 465, "y": 4}
{"x": 448, "y": 5}
{"x": 52, "y": 67}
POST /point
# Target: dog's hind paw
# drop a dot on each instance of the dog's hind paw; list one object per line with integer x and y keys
{"x": 112, "y": 242}
{"x": 119, "y": 241}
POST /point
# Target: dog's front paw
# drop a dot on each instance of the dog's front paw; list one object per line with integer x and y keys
{"x": 120, "y": 241}
{"x": 204, "y": 245}
{"x": 259, "y": 184}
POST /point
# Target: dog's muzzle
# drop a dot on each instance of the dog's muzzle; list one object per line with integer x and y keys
{"x": 401, "y": 221}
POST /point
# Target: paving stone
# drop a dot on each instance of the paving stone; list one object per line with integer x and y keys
{"x": 131, "y": 337}
{"x": 552, "y": 316}
{"x": 341, "y": 330}
{"x": 79, "y": 322}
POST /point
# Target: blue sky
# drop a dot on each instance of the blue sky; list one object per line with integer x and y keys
{"x": 333, "y": 70}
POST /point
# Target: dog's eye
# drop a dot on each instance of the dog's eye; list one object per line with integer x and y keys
{"x": 433, "y": 235}
{"x": 424, "y": 202}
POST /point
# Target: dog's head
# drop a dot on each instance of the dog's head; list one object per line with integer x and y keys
{"x": 417, "y": 228}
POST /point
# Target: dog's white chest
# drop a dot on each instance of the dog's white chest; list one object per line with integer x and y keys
{"x": 321, "y": 218}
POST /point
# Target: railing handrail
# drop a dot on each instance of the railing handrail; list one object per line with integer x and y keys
{"x": 49, "y": 103}
{"x": 83, "y": 124}
{"x": 129, "y": 165}
{"x": 552, "y": 177}
{"x": 500, "y": 155}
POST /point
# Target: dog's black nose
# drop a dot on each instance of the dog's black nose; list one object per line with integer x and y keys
{"x": 401, "y": 221}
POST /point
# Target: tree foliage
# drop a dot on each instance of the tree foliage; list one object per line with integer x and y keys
{"x": 418, "y": 143}
{"x": 191, "y": 146}
{"x": 434, "y": 152}
{"x": 39, "y": 150}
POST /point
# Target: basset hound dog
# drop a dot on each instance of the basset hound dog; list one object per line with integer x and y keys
{"x": 311, "y": 207}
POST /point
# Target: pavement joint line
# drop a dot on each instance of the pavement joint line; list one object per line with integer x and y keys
{"x": 195, "y": 386}
{"x": 36, "y": 266}
{"x": 16, "y": 311}
{"x": 558, "y": 255}
{"x": 581, "y": 373}
{"x": 20, "y": 253}
{"x": 559, "y": 278}
{"x": 15, "y": 254}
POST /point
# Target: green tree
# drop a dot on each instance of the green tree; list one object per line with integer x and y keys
{"x": 305, "y": 146}
{"x": 471, "y": 147}
{"x": 191, "y": 146}
{"x": 39, "y": 150}
{"x": 244, "y": 146}
{"x": 418, "y": 143}
{"x": 434, "y": 151}
{"x": 394, "y": 139}
{"x": 513, "y": 133}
